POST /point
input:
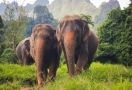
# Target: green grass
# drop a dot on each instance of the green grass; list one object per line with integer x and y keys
{"x": 13, "y": 76}
{"x": 98, "y": 77}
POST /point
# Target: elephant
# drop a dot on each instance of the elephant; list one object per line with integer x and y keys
{"x": 79, "y": 43}
{"x": 45, "y": 50}
{"x": 23, "y": 52}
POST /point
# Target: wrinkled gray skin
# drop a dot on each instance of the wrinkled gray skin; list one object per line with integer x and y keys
{"x": 23, "y": 52}
{"x": 78, "y": 42}
{"x": 46, "y": 51}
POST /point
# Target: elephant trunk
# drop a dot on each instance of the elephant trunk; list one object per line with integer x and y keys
{"x": 39, "y": 60}
{"x": 69, "y": 45}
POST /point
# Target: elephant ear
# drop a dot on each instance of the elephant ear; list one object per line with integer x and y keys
{"x": 27, "y": 46}
{"x": 56, "y": 42}
{"x": 58, "y": 32}
{"x": 86, "y": 31}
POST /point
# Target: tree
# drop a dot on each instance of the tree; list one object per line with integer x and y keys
{"x": 126, "y": 38}
{"x": 1, "y": 22}
{"x": 14, "y": 24}
{"x": 1, "y": 36}
{"x": 115, "y": 36}
{"x": 1, "y": 26}
{"x": 14, "y": 19}
{"x": 41, "y": 16}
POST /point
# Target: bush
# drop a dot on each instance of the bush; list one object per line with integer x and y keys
{"x": 8, "y": 56}
{"x": 14, "y": 76}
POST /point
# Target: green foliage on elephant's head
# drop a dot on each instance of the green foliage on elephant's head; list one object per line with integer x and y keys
{"x": 87, "y": 18}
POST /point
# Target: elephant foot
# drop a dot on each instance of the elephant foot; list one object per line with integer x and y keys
{"x": 40, "y": 85}
{"x": 51, "y": 78}
{"x": 71, "y": 76}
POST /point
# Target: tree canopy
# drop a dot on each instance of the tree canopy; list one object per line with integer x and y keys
{"x": 41, "y": 16}
{"x": 1, "y": 22}
{"x": 14, "y": 19}
{"x": 115, "y": 36}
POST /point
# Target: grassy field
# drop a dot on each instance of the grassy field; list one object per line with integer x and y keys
{"x": 98, "y": 77}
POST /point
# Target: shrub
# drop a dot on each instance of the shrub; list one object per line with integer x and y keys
{"x": 8, "y": 56}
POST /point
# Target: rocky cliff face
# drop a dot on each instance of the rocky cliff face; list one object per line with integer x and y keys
{"x": 3, "y": 7}
{"x": 41, "y": 2}
{"x": 30, "y": 7}
{"x": 109, "y": 5}
{"x": 113, "y": 3}
{"x": 88, "y": 1}
{"x": 104, "y": 9}
{"x": 59, "y": 8}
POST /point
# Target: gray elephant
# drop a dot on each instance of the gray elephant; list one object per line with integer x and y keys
{"x": 46, "y": 51}
{"x": 23, "y": 52}
{"x": 78, "y": 42}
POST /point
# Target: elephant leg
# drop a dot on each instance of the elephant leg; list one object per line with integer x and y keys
{"x": 88, "y": 63}
{"x": 92, "y": 47}
{"x": 40, "y": 79}
{"x": 41, "y": 74}
{"x": 90, "y": 58}
{"x": 82, "y": 60}
{"x": 76, "y": 58}
{"x": 52, "y": 69}
{"x": 24, "y": 60}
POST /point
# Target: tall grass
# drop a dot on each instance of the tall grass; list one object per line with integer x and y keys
{"x": 13, "y": 76}
{"x": 97, "y": 77}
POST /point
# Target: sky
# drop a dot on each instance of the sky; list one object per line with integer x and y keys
{"x": 123, "y": 3}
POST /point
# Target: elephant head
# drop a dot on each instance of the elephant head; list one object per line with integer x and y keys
{"x": 27, "y": 46}
{"x": 44, "y": 50}
{"x": 75, "y": 24}
{"x": 73, "y": 33}
{"x": 23, "y": 52}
